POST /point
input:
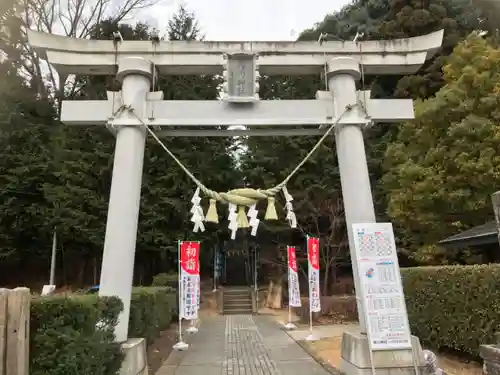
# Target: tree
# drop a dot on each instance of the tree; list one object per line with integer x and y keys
{"x": 322, "y": 211}
{"x": 490, "y": 10}
{"x": 184, "y": 26}
{"x": 443, "y": 166}
{"x": 383, "y": 19}
{"x": 166, "y": 189}
{"x": 73, "y": 18}
{"x": 67, "y": 174}
{"x": 315, "y": 188}
{"x": 377, "y": 19}
{"x": 23, "y": 123}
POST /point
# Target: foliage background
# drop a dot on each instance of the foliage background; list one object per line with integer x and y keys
{"x": 432, "y": 177}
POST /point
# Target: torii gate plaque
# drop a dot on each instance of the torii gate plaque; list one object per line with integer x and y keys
{"x": 135, "y": 62}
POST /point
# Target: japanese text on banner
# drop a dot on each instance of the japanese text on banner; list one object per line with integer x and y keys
{"x": 190, "y": 279}
{"x": 313, "y": 260}
{"x": 293, "y": 279}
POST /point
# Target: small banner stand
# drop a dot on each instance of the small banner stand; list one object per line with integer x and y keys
{"x": 48, "y": 290}
{"x": 314, "y": 294}
{"x": 293, "y": 286}
{"x": 189, "y": 276}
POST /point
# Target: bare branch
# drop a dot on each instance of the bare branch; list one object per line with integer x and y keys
{"x": 75, "y": 18}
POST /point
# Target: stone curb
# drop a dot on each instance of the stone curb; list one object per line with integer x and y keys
{"x": 328, "y": 367}
{"x": 175, "y": 357}
{"x": 302, "y": 343}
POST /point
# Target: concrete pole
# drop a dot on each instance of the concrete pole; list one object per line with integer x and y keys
{"x": 52, "y": 280}
{"x": 117, "y": 271}
{"x": 342, "y": 74}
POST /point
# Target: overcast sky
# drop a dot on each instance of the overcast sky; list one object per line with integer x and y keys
{"x": 229, "y": 20}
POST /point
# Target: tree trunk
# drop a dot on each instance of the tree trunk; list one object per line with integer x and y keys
{"x": 82, "y": 266}
{"x": 333, "y": 270}
{"x": 275, "y": 295}
{"x": 269, "y": 292}
{"x": 326, "y": 278}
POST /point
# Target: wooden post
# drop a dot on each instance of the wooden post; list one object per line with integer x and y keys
{"x": 495, "y": 198}
{"x": 18, "y": 313}
{"x": 3, "y": 328}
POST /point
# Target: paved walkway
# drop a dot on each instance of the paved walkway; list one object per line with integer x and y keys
{"x": 241, "y": 345}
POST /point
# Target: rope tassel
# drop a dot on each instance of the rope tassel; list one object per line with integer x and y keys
{"x": 242, "y": 217}
{"x": 212, "y": 216}
{"x": 271, "y": 210}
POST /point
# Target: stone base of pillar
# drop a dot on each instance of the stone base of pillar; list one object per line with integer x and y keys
{"x": 355, "y": 357}
{"x": 491, "y": 359}
{"x": 136, "y": 360}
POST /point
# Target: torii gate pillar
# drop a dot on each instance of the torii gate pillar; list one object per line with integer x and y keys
{"x": 342, "y": 73}
{"x": 117, "y": 272}
{"x": 356, "y": 354}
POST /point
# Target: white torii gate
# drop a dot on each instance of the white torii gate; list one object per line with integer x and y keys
{"x": 138, "y": 63}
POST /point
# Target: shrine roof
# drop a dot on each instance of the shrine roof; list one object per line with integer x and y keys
{"x": 480, "y": 235}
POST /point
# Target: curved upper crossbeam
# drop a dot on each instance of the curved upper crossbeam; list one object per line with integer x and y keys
{"x": 98, "y": 57}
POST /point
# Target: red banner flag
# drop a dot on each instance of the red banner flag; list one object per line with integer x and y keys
{"x": 189, "y": 259}
{"x": 313, "y": 257}
{"x": 293, "y": 279}
{"x": 292, "y": 259}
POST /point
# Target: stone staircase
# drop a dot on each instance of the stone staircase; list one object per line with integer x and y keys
{"x": 237, "y": 301}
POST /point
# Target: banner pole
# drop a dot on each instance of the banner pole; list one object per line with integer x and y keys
{"x": 289, "y": 281}
{"x": 180, "y": 345}
{"x": 181, "y": 292}
{"x": 215, "y": 269}
{"x": 255, "y": 277}
{"x": 289, "y": 312}
{"x": 309, "y": 271}
{"x": 310, "y": 320}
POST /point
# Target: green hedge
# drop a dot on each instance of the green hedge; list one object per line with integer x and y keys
{"x": 151, "y": 311}
{"x": 171, "y": 280}
{"x": 166, "y": 279}
{"x": 456, "y": 307}
{"x": 65, "y": 340}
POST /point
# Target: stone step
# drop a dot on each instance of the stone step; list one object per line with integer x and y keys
{"x": 243, "y": 305}
{"x": 237, "y": 311}
{"x": 232, "y": 294}
{"x": 236, "y": 299}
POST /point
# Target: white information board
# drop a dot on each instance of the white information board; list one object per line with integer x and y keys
{"x": 381, "y": 287}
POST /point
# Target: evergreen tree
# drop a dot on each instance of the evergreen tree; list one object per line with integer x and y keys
{"x": 443, "y": 166}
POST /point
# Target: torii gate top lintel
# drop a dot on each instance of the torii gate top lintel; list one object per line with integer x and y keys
{"x": 98, "y": 57}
